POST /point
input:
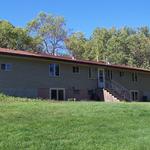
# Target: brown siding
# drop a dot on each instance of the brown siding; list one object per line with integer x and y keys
{"x": 30, "y": 77}
{"x": 142, "y": 85}
{"x": 30, "y": 74}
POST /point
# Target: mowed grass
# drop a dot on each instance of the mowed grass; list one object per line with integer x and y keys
{"x": 43, "y": 125}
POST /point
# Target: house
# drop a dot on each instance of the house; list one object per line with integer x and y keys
{"x": 27, "y": 74}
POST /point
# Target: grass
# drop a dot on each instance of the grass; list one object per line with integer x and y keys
{"x": 32, "y": 124}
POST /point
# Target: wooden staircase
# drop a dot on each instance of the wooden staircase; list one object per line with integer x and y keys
{"x": 115, "y": 92}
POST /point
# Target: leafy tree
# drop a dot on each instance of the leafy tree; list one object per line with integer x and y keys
{"x": 144, "y": 30}
{"x": 117, "y": 50}
{"x": 76, "y": 43}
{"x": 123, "y": 46}
{"x": 51, "y": 29}
{"x": 48, "y": 33}
{"x": 139, "y": 46}
{"x": 16, "y": 38}
{"x": 99, "y": 41}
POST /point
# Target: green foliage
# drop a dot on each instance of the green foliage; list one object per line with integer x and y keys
{"x": 123, "y": 46}
{"x": 49, "y": 33}
{"x": 51, "y": 29}
{"x": 76, "y": 44}
{"x": 73, "y": 125}
{"x": 16, "y": 38}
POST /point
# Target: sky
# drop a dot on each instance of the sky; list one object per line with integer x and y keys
{"x": 80, "y": 15}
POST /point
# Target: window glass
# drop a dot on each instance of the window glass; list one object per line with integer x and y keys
{"x": 54, "y": 70}
{"x": 109, "y": 74}
{"x": 90, "y": 73}
{"x": 134, "y": 95}
{"x": 75, "y": 69}
{"x": 6, "y": 67}
{"x": 60, "y": 94}
{"x": 57, "y": 94}
{"x": 134, "y": 77}
{"x": 3, "y": 66}
{"x": 54, "y": 94}
{"x": 51, "y": 69}
{"x": 121, "y": 73}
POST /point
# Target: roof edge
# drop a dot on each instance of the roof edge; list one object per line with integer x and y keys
{"x": 20, "y": 53}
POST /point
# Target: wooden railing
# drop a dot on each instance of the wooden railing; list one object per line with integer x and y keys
{"x": 117, "y": 89}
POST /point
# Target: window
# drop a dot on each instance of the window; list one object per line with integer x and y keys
{"x": 54, "y": 94}
{"x": 121, "y": 73}
{"x": 6, "y": 67}
{"x": 92, "y": 73}
{"x": 54, "y": 70}
{"x": 134, "y": 95}
{"x": 109, "y": 74}
{"x": 57, "y": 94}
{"x": 75, "y": 69}
{"x": 134, "y": 77}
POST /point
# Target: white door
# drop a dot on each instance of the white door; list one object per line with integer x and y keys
{"x": 101, "y": 78}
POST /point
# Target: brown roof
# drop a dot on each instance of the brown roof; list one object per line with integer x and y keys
{"x": 4, "y": 51}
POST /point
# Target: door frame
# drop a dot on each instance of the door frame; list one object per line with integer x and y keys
{"x": 57, "y": 89}
{"x": 103, "y": 77}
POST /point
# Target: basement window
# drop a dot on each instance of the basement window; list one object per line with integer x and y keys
{"x": 134, "y": 95}
{"x": 6, "y": 67}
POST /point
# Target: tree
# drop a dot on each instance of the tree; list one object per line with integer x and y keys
{"x": 144, "y": 30}
{"x": 139, "y": 46}
{"x": 51, "y": 29}
{"x": 117, "y": 51}
{"x": 16, "y": 38}
{"x": 125, "y": 46}
{"x": 76, "y": 43}
{"x": 99, "y": 41}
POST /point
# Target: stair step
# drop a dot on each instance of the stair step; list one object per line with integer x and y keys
{"x": 112, "y": 96}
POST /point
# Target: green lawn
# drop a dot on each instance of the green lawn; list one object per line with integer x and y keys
{"x": 73, "y": 125}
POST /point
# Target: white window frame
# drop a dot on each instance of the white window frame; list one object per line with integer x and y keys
{"x": 131, "y": 95}
{"x": 57, "y": 89}
{"x": 54, "y": 74}
{"x": 6, "y": 66}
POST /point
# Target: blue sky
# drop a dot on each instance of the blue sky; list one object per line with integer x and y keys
{"x": 81, "y": 15}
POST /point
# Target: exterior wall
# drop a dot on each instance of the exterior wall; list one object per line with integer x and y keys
{"x": 142, "y": 85}
{"x": 30, "y": 78}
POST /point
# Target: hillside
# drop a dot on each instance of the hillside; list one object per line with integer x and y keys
{"x": 35, "y": 124}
